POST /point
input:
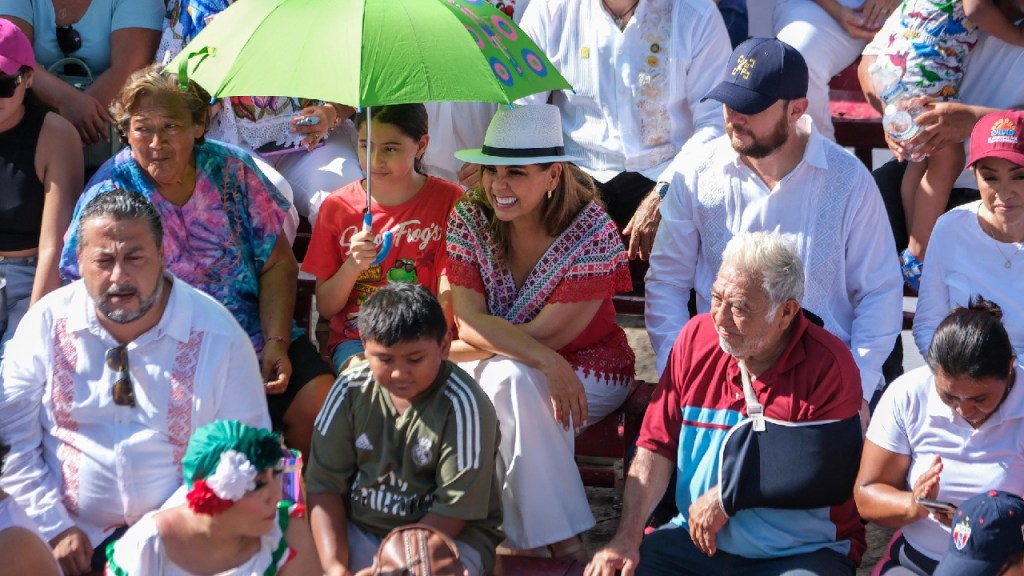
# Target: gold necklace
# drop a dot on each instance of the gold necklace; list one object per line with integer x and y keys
{"x": 1008, "y": 260}
{"x": 993, "y": 232}
{"x": 62, "y": 11}
{"x": 620, "y": 19}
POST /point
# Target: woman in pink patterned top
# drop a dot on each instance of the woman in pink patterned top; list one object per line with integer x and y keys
{"x": 533, "y": 263}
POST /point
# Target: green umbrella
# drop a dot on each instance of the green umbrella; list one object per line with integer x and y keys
{"x": 367, "y": 53}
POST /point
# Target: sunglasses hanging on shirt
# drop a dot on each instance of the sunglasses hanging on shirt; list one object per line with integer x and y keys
{"x": 68, "y": 39}
{"x": 122, "y": 391}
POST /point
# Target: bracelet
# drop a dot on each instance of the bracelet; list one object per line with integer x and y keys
{"x": 268, "y": 339}
{"x": 337, "y": 116}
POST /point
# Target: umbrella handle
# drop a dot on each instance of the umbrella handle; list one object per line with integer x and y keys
{"x": 386, "y": 242}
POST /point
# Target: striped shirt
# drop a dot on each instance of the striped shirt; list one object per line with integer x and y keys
{"x": 437, "y": 456}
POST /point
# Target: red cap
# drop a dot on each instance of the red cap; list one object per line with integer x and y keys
{"x": 15, "y": 49}
{"x": 999, "y": 135}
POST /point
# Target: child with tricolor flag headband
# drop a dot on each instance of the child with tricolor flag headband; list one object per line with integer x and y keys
{"x": 233, "y": 523}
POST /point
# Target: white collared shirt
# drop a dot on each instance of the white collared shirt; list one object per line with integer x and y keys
{"x": 76, "y": 458}
{"x": 829, "y": 208}
{"x": 912, "y": 420}
{"x": 636, "y": 99}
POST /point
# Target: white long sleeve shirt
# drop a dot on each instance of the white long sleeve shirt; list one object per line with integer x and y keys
{"x": 636, "y": 92}
{"x": 78, "y": 459}
{"x": 828, "y": 206}
{"x": 963, "y": 263}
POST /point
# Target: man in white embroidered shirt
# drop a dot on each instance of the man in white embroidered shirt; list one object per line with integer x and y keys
{"x": 774, "y": 171}
{"x": 638, "y": 69}
{"x": 107, "y": 378}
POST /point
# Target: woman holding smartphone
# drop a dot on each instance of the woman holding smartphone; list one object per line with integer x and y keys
{"x": 945, "y": 432}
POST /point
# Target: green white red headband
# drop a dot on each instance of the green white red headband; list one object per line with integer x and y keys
{"x": 222, "y": 462}
{"x": 233, "y": 478}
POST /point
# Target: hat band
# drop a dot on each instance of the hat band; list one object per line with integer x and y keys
{"x": 522, "y": 152}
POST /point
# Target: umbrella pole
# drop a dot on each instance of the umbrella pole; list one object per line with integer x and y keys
{"x": 369, "y": 141}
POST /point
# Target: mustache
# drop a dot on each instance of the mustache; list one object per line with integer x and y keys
{"x": 733, "y": 128}
{"x": 119, "y": 290}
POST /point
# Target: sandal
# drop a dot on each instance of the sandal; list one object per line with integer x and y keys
{"x": 911, "y": 268}
{"x": 571, "y": 549}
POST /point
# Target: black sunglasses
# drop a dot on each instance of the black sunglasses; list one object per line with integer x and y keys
{"x": 117, "y": 360}
{"x": 8, "y": 84}
{"x": 68, "y": 39}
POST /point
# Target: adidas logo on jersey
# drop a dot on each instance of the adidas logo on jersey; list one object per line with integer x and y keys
{"x": 363, "y": 442}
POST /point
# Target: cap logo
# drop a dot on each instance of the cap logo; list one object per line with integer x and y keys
{"x": 1003, "y": 132}
{"x": 744, "y": 66}
{"x": 961, "y": 534}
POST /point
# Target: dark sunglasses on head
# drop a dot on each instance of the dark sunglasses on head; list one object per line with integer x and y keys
{"x": 68, "y": 39}
{"x": 117, "y": 360}
{"x": 8, "y": 84}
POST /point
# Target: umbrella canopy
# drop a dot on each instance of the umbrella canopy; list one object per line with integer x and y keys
{"x": 368, "y": 52}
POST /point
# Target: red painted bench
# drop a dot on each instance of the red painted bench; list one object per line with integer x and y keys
{"x": 857, "y": 125}
{"x": 613, "y": 437}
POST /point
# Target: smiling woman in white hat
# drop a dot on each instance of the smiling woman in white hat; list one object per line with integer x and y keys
{"x": 533, "y": 263}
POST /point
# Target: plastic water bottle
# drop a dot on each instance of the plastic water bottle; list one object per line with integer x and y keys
{"x": 899, "y": 123}
{"x": 888, "y": 84}
{"x": 900, "y": 110}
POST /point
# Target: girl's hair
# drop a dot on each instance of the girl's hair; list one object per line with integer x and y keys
{"x": 411, "y": 119}
{"x": 972, "y": 342}
{"x": 153, "y": 82}
{"x": 574, "y": 190}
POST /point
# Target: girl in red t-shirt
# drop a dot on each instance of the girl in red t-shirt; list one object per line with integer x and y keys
{"x": 414, "y": 207}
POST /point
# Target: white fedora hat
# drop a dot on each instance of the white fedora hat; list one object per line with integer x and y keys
{"x": 530, "y": 134}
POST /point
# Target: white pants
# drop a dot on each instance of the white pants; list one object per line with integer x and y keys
{"x": 314, "y": 175}
{"x": 825, "y": 46}
{"x": 542, "y": 494}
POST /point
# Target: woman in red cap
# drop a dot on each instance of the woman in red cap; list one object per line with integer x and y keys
{"x": 977, "y": 248}
{"x": 40, "y": 176}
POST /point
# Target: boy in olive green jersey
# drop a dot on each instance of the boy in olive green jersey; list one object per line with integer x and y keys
{"x": 408, "y": 437}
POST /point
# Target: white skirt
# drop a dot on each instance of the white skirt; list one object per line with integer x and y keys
{"x": 542, "y": 494}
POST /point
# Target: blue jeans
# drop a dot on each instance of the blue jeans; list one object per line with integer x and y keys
{"x": 18, "y": 275}
{"x": 669, "y": 551}
{"x": 343, "y": 351}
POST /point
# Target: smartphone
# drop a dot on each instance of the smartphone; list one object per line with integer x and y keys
{"x": 308, "y": 121}
{"x": 937, "y": 505}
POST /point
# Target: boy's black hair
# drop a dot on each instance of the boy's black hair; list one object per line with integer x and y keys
{"x": 401, "y": 312}
{"x": 972, "y": 342}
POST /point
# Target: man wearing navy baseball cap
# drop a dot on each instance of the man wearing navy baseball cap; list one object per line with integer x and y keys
{"x": 773, "y": 170}
{"x": 761, "y": 71}
{"x": 987, "y": 538}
